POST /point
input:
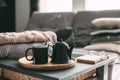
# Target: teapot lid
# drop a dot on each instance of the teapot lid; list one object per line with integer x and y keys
{"x": 62, "y": 43}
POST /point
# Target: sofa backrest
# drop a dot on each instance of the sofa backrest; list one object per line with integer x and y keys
{"x": 83, "y": 18}
{"x": 50, "y": 21}
{"x": 59, "y": 22}
{"x": 81, "y": 22}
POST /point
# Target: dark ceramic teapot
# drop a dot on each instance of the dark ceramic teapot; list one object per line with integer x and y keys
{"x": 61, "y": 52}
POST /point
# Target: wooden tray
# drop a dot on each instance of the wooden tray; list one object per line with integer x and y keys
{"x": 50, "y": 66}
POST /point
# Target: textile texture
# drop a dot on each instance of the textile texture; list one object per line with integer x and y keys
{"x": 27, "y": 36}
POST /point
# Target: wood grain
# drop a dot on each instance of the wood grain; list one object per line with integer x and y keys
{"x": 92, "y": 59}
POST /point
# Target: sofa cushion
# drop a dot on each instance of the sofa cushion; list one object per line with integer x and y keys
{"x": 106, "y": 35}
{"x": 56, "y": 22}
{"x": 99, "y": 22}
{"x": 84, "y": 18}
{"x": 50, "y": 21}
{"x": 104, "y": 46}
{"x": 109, "y": 37}
{"x": 82, "y": 35}
{"x": 66, "y": 35}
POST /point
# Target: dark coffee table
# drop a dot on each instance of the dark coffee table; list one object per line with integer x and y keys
{"x": 79, "y": 68}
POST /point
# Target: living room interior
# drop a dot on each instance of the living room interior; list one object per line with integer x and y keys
{"x": 91, "y": 25}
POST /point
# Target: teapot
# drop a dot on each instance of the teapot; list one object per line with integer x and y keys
{"x": 61, "y": 52}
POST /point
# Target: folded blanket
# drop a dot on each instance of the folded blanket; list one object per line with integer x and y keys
{"x": 105, "y": 31}
{"x": 27, "y": 36}
{"x": 15, "y": 51}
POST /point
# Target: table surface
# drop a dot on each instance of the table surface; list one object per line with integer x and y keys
{"x": 65, "y": 74}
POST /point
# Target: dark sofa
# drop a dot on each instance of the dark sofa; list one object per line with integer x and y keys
{"x": 80, "y": 23}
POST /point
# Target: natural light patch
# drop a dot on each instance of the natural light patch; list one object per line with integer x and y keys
{"x": 55, "y": 5}
{"x": 59, "y": 5}
{"x": 102, "y": 4}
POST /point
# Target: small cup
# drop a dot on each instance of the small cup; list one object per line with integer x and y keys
{"x": 40, "y": 54}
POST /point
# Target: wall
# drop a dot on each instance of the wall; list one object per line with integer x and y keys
{"x": 78, "y": 5}
{"x": 22, "y": 14}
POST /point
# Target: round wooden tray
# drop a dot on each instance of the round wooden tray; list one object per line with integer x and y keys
{"x": 50, "y": 66}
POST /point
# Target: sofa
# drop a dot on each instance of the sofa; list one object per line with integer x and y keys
{"x": 77, "y": 28}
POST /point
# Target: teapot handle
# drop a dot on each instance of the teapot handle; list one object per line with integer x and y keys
{"x": 50, "y": 50}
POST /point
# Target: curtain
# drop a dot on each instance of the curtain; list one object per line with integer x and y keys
{"x": 33, "y": 6}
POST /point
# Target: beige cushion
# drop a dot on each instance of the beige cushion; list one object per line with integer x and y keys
{"x": 104, "y": 46}
{"x": 99, "y": 22}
